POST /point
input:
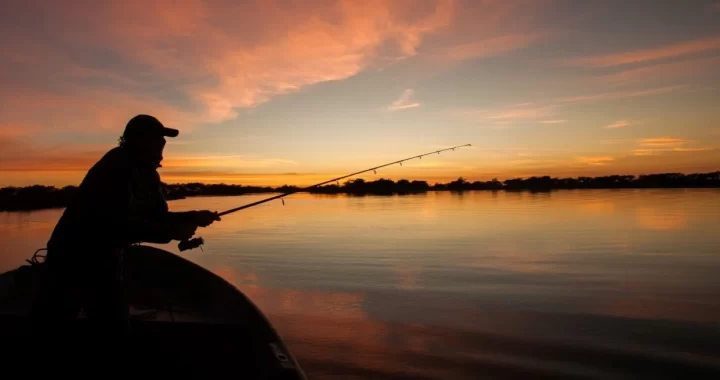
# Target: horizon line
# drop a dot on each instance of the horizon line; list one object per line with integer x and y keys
{"x": 410, "y": 180}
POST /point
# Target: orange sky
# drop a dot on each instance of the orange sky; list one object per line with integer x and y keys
{"x": 274, "y": 92}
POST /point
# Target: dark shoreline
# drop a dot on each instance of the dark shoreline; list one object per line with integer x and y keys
{"x": 40, "y": 197}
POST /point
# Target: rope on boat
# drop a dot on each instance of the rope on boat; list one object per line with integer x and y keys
{"x": 34, "y": 260}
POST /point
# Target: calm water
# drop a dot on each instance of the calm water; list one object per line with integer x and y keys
{"x": 569, "y": 284}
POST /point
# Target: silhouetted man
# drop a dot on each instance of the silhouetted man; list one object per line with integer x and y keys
{"x": 119, "y": 202}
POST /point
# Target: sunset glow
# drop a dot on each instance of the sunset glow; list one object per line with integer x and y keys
{"x": 294, "y": 92}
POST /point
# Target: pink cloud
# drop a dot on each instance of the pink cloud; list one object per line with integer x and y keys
{"x": 316, "y": 49}
{"x": 403, "y": 102}
{"x": 691, "y": 149}
{"x": 325, "y": 45}
{"x": 645, "y": 152}
{"x": 662, "y": 141}
{"x": 227, "y": 55}
{"x": 651, "y": 54}
{"x": 595, "y": 160}
{"x": 660, "y": 145}
{"x": 618, "y": 124}
{"x": 658, "y": 151}
{"x": 518, "y": 112}
{"x": 215, "y": 58}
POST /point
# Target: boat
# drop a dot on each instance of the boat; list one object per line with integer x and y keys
{"x": 185, "y": 321}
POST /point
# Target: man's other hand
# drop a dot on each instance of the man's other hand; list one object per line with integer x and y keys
{"x": 205, "y": 218}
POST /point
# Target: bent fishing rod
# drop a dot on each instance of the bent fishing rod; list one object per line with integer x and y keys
{"x": 196, "y": 242}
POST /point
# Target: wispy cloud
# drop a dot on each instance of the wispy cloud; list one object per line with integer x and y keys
{"x": 619, "y": 94}
{"x": 506, "y": 114}
{"x": 521, "y": 113}
{"x": 488, "y": 47}
{"x": 662, "y": 71}
{"x": 657, "y": 151}
{"x": 20, "y": 155}
{"x": 595, "y": 160}
{"x": 265, "y": 178}
{"x": 539, "y": 111}
{"x": 645, "y": 152}
{"x": 403, "y": 102}
{"x": 229, "y": 161}
{"x": 651, "y": 54}
{"x": 618, "y": 124}
{"x": 691, "y": 149}
{"x": 659, "y": 145}
{"x": 617, "y": 141}
{"x": 662, "y": 141}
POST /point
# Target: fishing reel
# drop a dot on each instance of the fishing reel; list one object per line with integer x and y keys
{"x": 191, "y": 244}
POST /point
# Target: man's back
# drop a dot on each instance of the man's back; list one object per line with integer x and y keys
{"x": 86, "y": 221}
{"x": 112, "y": 194}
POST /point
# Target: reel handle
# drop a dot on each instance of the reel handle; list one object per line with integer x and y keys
{"x": 191, "y": 244}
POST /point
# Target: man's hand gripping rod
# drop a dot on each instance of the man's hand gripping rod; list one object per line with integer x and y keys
{"x": 198, "y": 241}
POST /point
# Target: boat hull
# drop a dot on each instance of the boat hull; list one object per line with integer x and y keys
{"x": 187, "y": 314}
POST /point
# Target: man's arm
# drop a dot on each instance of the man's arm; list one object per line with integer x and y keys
{"x": 150, "y": 220}
{"x": 201, "y": 218}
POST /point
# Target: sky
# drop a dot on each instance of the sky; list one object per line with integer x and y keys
{"x": 295, "y": 92}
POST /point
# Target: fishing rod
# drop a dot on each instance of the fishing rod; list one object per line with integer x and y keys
{"x": 196, "y": 242}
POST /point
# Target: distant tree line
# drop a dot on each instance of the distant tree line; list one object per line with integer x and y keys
{"x": 35, "y": 197}
{"x": 40, "y": 197}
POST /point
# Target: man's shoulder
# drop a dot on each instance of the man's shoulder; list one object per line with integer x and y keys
{"x": 115, "y": 157}
{"x": 113, "y": 163}
{"x": 116, "y": 153}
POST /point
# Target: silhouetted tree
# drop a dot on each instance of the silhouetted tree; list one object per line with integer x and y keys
{"x": 459, "y": 184}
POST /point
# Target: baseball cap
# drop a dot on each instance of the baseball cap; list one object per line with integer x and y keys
{"x": 146, "y": 126}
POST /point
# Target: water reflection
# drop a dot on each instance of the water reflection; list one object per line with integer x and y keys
{"x": 329, "y": 304}
{"x": 22, "y": 233}
{"x": 334, "y": 336}
{"x": 407, "y": 276}
{"x": 665, "y": 219}
{"x": 446, "y": 285}
{"x": 598, "y": 206}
